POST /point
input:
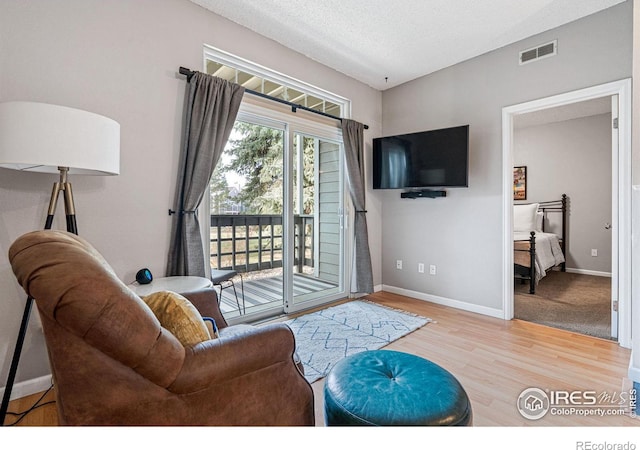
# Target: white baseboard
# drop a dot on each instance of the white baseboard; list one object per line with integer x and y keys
{"x": 589, "y": 272}
{"x": 492, "y": 312}
{"x": 378, "y": 287}
{"x": 28, "y": 387}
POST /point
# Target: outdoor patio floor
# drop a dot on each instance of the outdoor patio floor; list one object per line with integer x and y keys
{"x": 262, "y": 293}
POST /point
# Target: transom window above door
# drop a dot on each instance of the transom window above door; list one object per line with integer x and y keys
{"x": 266, "y": 81}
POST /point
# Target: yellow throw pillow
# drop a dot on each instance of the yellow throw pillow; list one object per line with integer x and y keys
{"x": 179, "y": 316}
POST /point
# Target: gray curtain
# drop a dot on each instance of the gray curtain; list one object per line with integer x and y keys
{"x": 210, "y": 111}
{"x": 352, "y": 135}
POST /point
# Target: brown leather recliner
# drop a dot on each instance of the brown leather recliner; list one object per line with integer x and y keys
{"x": 113, "y": 363}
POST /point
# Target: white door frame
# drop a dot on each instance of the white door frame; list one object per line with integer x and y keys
{"x": 621, "y": 210}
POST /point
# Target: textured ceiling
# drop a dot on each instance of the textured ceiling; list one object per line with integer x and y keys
{"x": 384, "y": 43}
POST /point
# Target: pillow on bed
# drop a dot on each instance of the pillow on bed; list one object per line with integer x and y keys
{"x": 524, "y": 217}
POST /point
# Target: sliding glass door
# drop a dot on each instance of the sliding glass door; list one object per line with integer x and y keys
{"x": 277, "y": 216}
{"x": 247, "y": 226}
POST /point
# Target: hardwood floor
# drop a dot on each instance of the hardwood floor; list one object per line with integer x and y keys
{"x": 495, "y": 360}
{"x": 43, "y": 416}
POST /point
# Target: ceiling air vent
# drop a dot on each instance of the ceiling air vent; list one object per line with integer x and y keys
{"x": 542, "y": 51}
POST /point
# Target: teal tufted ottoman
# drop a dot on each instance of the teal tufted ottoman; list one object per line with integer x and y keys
{"x": 384, "y": 387}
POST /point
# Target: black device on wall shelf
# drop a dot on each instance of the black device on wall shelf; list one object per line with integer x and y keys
{"x": 427, "y": 159}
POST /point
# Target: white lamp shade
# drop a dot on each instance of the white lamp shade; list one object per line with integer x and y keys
{"x": 40, "y": 137}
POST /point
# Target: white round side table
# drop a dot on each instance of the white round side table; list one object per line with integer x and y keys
{"x": 174, "y": 284}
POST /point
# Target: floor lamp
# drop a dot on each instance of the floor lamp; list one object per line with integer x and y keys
{"x": 39, "y": 137}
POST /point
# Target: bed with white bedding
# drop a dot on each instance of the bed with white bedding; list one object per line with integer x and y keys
{"x": 536, "y": 251}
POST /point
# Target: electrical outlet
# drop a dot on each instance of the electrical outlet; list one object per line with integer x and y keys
{"x": 594, "y": 252}
{"x": 399, "y": 264}
{"x": 432, "y": 269}
{"x": 420, "y": 268}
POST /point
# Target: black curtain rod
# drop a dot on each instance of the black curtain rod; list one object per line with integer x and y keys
{"x": 294, "y": 106}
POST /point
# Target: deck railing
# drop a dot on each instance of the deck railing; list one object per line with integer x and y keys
{"x": 252, "y": 242}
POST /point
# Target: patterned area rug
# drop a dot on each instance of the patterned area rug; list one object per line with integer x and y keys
{"x": 324, "y": 337}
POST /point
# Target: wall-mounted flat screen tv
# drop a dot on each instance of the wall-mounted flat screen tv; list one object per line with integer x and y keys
{"x": 435, "y": 158}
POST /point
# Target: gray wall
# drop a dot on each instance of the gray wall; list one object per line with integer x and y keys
{"x": 120, "y": 58}
{"x": 462, "y": 233}
{"x": 573, "y": 157}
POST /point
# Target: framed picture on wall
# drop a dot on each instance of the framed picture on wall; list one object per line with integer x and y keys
{"x": 520, "y": 183}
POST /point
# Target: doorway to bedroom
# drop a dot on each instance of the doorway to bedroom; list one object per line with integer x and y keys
{"x": 565, "y": 150}
{"x": 561, "y": 141}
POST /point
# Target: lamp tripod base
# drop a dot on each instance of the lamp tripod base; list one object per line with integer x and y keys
{"x": 72, "y": 227}
{"x": 69, "y": 207}
{"x": 16, "y": 359}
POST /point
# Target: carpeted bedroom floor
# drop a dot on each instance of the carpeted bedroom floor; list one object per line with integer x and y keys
{"x": 570, "y": 301}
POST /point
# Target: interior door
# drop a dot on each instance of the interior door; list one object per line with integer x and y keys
{"x": 615, "y": 144}
{"x": 318, "y": 248}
